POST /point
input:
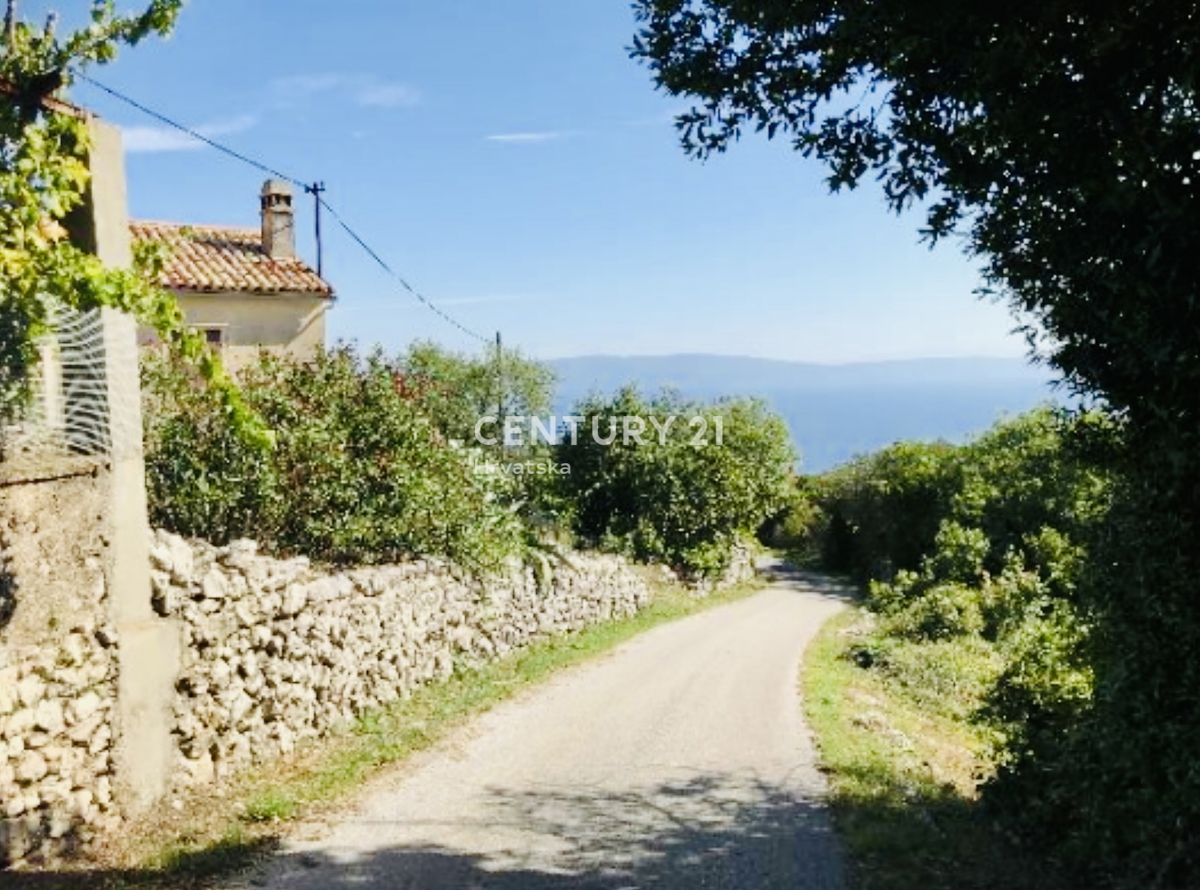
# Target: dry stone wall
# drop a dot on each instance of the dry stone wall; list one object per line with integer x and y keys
{"x": 741, "y": 566}
{"x": 277, "y": 651}
{"x": 271, "y": 651}
{"x": 56, "y": 734}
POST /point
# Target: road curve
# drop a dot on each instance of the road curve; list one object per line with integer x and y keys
{"x": 680, "y": 761}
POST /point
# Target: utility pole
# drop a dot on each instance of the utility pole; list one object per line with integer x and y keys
{"x": 500, "y": 389}
{"x": 315, "y": 190}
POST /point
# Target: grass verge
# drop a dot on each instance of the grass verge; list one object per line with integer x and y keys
{"x": 904, "y": 767}
{"x": 192, "y": 841}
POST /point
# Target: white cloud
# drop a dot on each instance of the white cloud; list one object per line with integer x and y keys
{"x": 159, "y": 139}
{"x": 306, "y": 84}
{"x": 387, "y": 95}
{"x": 362, "y": 89}
{"x": 526, "y": 137}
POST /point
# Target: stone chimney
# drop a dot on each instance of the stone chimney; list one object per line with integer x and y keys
{"x": 278, "y": 220}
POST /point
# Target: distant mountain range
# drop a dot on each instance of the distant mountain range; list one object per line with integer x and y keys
{"x": 833, "y": 411}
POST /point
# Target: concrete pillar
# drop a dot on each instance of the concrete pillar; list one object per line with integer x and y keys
{"x": 50, "y": 384}
{"x": 148, "y": 646}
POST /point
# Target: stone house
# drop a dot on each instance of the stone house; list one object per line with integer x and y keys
{"x": 246, "y": 289}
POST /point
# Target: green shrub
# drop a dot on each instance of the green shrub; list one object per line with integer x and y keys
{"x": 360, "y": 471}
{"x": 1011, "y": 598}
{"x": 1105, "y": 764}
{"x": 959, "y": 554}
{"x": 952, "y": 677}
{"x": 1025, "y": 477}
{"x": 203, "y": 479}
{"x": 1057, "y": 559}
{"x": 943, "y": 611}
{"x": 672, "y": 497}
{"x": 884, "y": 510}
{"x": 890, "y": 597}
{"x": 798, "y": 525}
{"x": 457, "y": 389}
{"x": 1041, "y": 713}
{"x": 1027, "y": 474}
{"x": 1084, "y": 682}
{"x": 930, "y": 598}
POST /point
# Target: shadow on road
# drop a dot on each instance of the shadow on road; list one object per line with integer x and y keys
{"x": 716, "y": 832}
{"x": 783, "y": 574}
{"x": 710, "y": 831}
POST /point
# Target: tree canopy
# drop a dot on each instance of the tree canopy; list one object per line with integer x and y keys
{"x": 467, "y": 388}
{"x": 43, "y": 179}
{"x": 43, "y": 175}
{"x": 699, "y": 477}
{"x": 1062, "y": 138}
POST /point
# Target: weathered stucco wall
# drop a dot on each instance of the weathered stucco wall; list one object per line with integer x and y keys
{"x": 289, "y": 323}
{"x": 276, "y": 651}
{"x": 58, "y": 668}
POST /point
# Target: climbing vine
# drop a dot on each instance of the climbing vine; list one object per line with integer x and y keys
{"x": 44, "y": 177}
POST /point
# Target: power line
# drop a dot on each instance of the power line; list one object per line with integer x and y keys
{"x": 399, "y": 278}
{"x": 315, "y": 189}
{"x": 224, "y": 149}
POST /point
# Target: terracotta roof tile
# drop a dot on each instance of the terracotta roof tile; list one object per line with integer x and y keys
{"x": 224, "y": 259}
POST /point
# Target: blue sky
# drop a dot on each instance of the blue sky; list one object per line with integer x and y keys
{"x": 515, "y": 165}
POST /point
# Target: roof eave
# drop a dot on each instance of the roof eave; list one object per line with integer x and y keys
{"x": 329, "y": 294}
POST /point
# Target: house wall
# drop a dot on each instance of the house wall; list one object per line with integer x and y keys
{"x": 292, "y": 323}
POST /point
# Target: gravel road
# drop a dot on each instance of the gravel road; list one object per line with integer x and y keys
{"x": 680, "y": 761}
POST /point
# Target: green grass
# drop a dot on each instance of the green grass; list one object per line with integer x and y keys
{"x": 217, "y": 832}
{"x": 949, "y": 677}
{"x": 904, "y": 763}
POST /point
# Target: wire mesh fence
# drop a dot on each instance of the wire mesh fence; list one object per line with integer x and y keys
{"x": 70, "y": 410}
